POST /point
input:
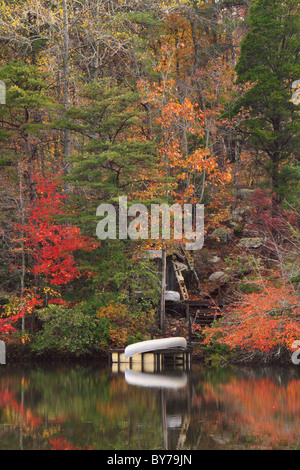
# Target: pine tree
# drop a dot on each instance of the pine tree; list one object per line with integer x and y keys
{"x": 113, "y": 147}
{"x": 25, "y": 117}
{"x": 270, "y": 60}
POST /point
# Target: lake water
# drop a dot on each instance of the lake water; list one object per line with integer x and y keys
{"x": 89, "y": 407}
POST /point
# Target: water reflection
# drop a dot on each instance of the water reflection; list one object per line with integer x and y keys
{"x": 175, "y": 419}
{"x": 89, "y": 407}
{"x": 163, "y": 381}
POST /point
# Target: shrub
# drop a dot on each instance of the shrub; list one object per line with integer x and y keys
{"x": 127, "y": 324}
{"x": 69, "y": 331}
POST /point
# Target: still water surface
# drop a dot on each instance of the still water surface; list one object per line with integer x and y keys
{"x": 89, "y": 407}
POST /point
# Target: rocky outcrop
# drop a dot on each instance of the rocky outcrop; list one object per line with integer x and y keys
{"x": 255, "y": 242}
{"x": 244, "y": 193}
{"x": 218, "y": 276}
{"x": 214, "y": 260}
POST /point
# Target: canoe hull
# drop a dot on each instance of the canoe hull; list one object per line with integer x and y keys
{"x": 154, "y": 345}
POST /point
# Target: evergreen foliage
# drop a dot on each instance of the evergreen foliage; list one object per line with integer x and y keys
{"x": 270, "y": 60}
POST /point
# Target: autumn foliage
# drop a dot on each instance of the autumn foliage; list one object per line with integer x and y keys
{"x": 161, "y": 102}
{"x": 264, "y": 321}
{"x": 123, "y": 325}
{"x": 53, "y": 244}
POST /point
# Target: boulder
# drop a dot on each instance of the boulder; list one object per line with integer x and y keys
{"x": 255, "y": 242}
{"x": 218, "y": 276}
{"x": 214, "y": 260}
{"x": 238, "y": 215}
{"x": 244, "y": 193}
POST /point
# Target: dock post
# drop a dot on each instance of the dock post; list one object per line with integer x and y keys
{"x": 188, "y": 317}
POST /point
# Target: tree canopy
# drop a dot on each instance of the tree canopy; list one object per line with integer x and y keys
{"x": 174, "y": 102}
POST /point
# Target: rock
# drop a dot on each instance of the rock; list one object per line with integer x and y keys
{"x": 214, "y": 260}
{"x": 255, "y": 242}
{"x": 220, "y": 439}
{"x": 238, "y": 214}
{"x": 222, "y": 235}
{"x": 218, "y": 276}
{"x": 244, "y": 193}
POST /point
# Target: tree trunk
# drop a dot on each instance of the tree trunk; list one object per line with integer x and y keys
{"x": 23, "y": 267}
{"x": 66, "y": 80}
{"x": 275, "y": 172}
{"x": 163, "y": 291}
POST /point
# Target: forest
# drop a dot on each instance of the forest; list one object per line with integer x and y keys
{"x": 164, "y": 102}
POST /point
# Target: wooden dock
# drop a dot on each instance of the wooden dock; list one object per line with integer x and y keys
{"x": 152, "y": 361}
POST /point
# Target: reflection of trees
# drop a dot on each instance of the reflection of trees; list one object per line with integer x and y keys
{"x": 22, "y": 426}
{"x": 89, "y": 408}
{"x": 253, "y": 411}
{"x": 76, "y": 407}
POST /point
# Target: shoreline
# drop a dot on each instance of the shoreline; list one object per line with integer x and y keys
{"x": 23, "y": 355}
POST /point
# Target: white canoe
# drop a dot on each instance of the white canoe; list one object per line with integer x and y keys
{"x": 155, "y": 380}
{"x": 154, "y": 345}
{"x": 172, "y": 295}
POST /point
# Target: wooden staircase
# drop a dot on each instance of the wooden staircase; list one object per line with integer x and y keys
{"x": 178, "y": 268}
{"x": 203, "y": 313}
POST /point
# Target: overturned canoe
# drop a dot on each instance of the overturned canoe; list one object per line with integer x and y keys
{"x": 154, "y": 345}
{"x": 155, "y": 380}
